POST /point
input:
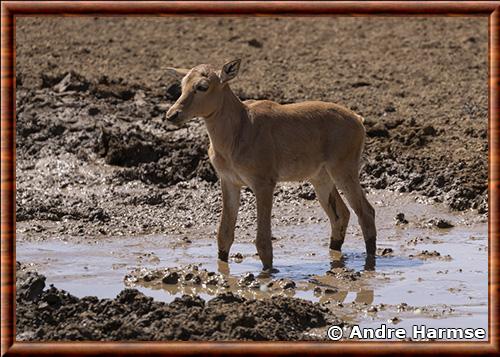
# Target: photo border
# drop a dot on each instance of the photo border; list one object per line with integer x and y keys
{"x": 11, "y": 9}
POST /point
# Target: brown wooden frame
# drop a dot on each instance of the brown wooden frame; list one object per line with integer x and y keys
{"x": 11, "y": 9}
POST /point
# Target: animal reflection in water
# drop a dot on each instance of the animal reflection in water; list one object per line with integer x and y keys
{"x": 333, "y": 285}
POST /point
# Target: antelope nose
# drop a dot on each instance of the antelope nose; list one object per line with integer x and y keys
{"x": 173, "y": 116}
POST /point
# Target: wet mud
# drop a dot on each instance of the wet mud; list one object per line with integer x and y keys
{"x": 56, "y": 315}
{"x": 100, "y": 175}
{"x": 422, "y": 273}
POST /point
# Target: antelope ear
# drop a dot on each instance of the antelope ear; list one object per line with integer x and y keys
{"x": 229, "y": 70}
{"x": 178, "y": 73}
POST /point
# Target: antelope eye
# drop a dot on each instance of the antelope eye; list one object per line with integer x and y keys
{"x": 202, "y": 87}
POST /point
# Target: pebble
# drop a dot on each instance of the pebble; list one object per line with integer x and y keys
{"x": 254, "y": 285}
{"x": 238, "y": 258}
{"x": 171, "y": 278}
{"x": 287, "y": 284}
{"x": 395, "y": 320}
{"x": 441, "y": 223}
{"x": 212, "y": 281}
{"x": 387, "y": 251}
{"x": 400, "y": 219}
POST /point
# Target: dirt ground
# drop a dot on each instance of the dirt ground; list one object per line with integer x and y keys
{"x": 96, "y": 159}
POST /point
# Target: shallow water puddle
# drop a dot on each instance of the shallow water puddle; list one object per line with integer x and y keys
{"x": 442, "y": 290}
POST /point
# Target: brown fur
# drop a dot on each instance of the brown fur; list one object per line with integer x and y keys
{"x": 258, "y": 143}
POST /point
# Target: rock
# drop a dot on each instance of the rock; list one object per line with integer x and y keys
{"x": 246, "y": 279}
{"x": 402, "y": 307}
{"x": 306, "y": 191}
{"x": 93, "y": 111}
{"x": 390, "y": 108}
{"x": 429, "y": 130}
{"x": 400, "y": 219}
{"x": 170, "y": 278}
{"x": 287, "y": 284}
{"x": 331, "y": 291}
{"x": 29, "y": 285}
{"x": 395, "y": 320}
{"x": 53, "y": 300}
{"x": 386, "y": 251}
{"x": 360, "y": 84}
{"x": 441, "y": 223}
{"x": 255, "y": 43}
{"x": 70, "y": 81}
{"x": 307, "y": 195}
{"x": 254, "y": 285}
{"x": 430, "y": 254}
{"x": 392, "y": 124}
{"x": 238, "y": 257}
{"x": 378, "y": 131}
{"x": 150, "y": 276}
{"x": 139, "y": 98}
{"x": 212, "y": 281}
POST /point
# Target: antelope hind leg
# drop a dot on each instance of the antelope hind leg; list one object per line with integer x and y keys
{"x": 348, "y": 181}
{"x": 334, "y": 207}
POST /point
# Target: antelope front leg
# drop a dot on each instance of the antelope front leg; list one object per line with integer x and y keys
{"x": 264, "y": 196}
{"x": 230, "y": 206}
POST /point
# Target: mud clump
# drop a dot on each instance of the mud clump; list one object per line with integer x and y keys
{"x": 170, "y": 278}
{"x": 129, "y": 148}
{"x": 401, "y": 219}
{"x": 286, "y": 284}
{"x": 193, "y": 279}
{"x": 385, "y": 252}
{"x": 246, "y": 280}
{"x": 344, "y": 274}
{"x": 29, "y": 284}
{"x": 440, "y": 223}
{"x": 70, "y": 81}
{"x": 425, "y": 254}
{"x": 54, "y": 314}
{"x": 237, "y": 257}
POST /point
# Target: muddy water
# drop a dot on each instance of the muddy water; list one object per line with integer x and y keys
{"x": 405, "y": 288}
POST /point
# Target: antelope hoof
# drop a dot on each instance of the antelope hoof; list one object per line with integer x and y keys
{"x": 336, "y": 245}
{"x": 269, "y": 270}
{"x": 223, "y": 256}
{"x": 370, "y": 263}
